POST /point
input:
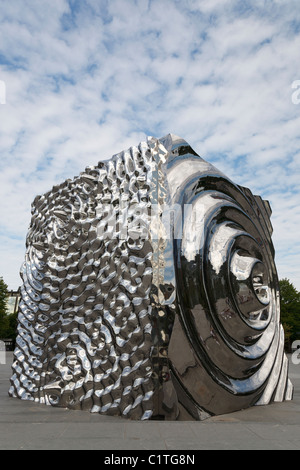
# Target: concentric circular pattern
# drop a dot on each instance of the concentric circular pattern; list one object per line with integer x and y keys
{"x": 228, "y": 299}
{"x": 84, "y": 334}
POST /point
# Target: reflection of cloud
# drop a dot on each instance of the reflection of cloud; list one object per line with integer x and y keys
{"x": 88, "y": 79}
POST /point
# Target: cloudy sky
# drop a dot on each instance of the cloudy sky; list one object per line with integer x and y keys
{"x": 81, "y": 80}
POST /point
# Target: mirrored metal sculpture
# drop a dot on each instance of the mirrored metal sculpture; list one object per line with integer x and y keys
{"x": 150, "y": 291}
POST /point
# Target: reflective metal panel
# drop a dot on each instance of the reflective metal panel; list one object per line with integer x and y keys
{"x": 150, "y": 291}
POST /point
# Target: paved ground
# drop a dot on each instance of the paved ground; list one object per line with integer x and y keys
{"x": 24, "y": 425}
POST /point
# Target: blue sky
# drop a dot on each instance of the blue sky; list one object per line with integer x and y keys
{"x": 86, "y": 79}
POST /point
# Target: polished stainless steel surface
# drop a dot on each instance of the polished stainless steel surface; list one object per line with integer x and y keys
{"x": 150, "y": 291}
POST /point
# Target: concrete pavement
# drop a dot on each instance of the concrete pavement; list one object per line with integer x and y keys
{"x": 30, "y": 426}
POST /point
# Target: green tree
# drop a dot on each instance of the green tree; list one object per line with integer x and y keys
{"x": 12, "y": 326}
{"x": 4, "y": 320}
{"x": 290, "y": 310}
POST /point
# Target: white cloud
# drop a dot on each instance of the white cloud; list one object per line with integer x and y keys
{"x": 86, "y": 79}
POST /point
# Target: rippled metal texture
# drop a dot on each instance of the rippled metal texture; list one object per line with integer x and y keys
{"x": 84, "y": 329}
{"x": 150, "y": 290}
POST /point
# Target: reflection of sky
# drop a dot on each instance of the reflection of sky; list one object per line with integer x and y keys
{"x": 85, "y": 80}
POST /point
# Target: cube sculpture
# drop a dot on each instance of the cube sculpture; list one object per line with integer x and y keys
{"x": 150, "y": 291}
